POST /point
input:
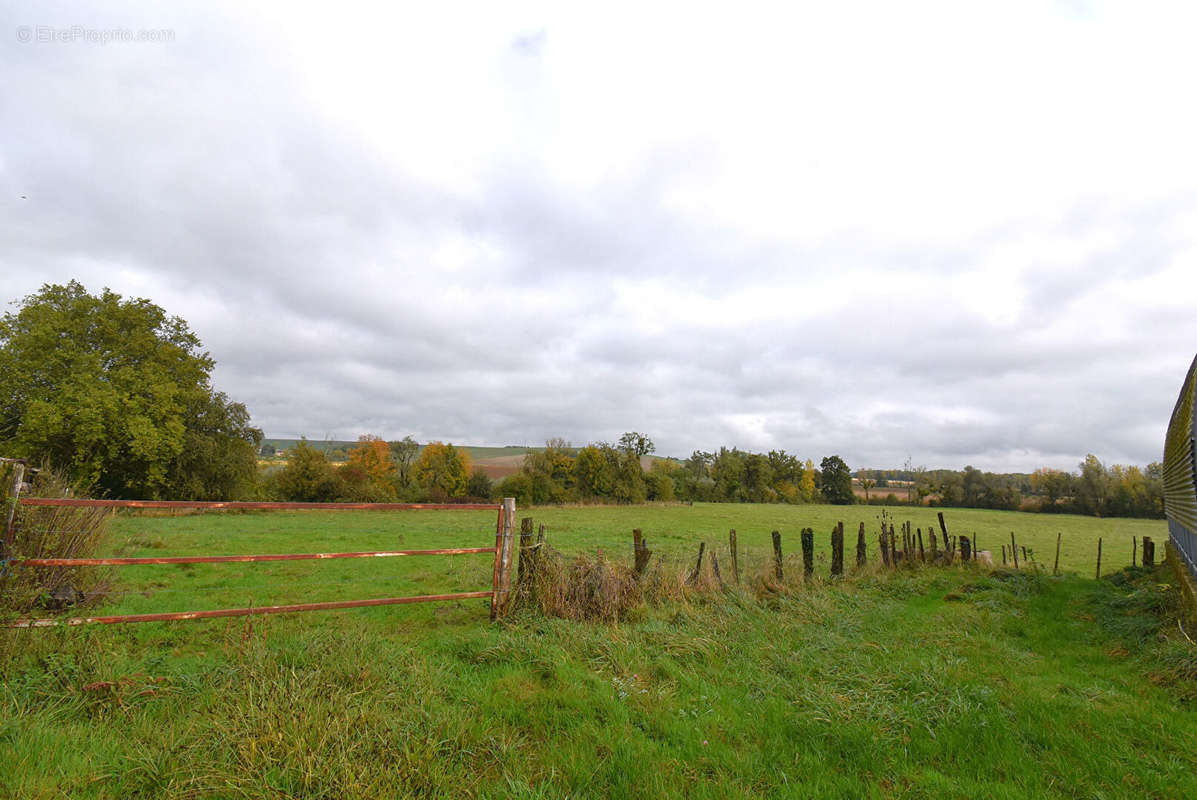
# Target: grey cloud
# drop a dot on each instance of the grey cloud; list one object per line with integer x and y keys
{"x": 306, "y": 262}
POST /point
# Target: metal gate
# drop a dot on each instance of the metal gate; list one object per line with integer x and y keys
{"x": 498, "y": 592}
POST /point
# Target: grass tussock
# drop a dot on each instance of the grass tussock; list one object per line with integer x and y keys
{"x": 1142, "y": 613}
{"x": 53, "y": 532}
{"x": 595, "y": 588}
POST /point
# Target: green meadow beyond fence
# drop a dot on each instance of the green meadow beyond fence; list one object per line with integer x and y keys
{"x": 498, "y": 592}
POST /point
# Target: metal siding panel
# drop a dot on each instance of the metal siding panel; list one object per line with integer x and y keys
{"x": 1180, "y": 472}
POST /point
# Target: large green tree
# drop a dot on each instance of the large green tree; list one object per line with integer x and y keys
{"x": 118, "y": 392}
{"x": 836, "y": 481}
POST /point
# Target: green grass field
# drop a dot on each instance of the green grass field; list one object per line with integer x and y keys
{"x": 936, "y": 683}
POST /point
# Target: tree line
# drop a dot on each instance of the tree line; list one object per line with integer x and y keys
{"x": 1094, "y": 489}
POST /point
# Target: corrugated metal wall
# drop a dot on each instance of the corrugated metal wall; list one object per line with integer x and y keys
{"x": 1180, "y": 473}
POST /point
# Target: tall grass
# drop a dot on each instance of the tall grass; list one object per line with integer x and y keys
{"x": 52, "y": 532}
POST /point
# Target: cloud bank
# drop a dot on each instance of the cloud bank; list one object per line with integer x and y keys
{"x": 949, "y": 235}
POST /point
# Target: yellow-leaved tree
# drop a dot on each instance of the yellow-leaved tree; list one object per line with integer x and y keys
{"x": 373, "y": 456}
{"x": 443, "y": 469}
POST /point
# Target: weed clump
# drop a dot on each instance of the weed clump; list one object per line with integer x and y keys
{"x": 52, "y": 532}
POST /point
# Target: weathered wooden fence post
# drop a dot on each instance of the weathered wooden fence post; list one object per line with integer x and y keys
{"x": 922, "y": 553}
{"x": 808, "y": 552}
{"x": 934, "y": 540}
{"x": 715, "y": 569}
{"x": 640, "y": 552}
{"x": 14, "y": 497}
{"x": 1148, "y": 551}
{"x": 777, "y": 554}
{"x": 1003, "y": 555}
{"x": 837, "y": 549}
{"x": 883, "y": 543}
{"x": 1013, "y": 550}
{"x": 862, "y": 550}
{"x": 702, "y": 546}
{"x": 966, "y": 548}
{"x": 735, "y": 557}
{"x": 524, "y": 569}
{"x": 893, "y": 546}
{"x": 1056, "y": 568}
{"x": 504, "y": 537}
{"x": 1097, "y": 576}
{"x": 944, "y": 527}
{"x": 1134, "y": 550}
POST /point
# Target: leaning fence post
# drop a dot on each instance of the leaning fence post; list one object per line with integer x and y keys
{"x": 702, "y": 546}
{"x": 1097, "y": 577}
{"x": 1056, "y": 568}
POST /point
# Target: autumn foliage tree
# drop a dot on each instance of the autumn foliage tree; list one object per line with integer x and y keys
{"x": 373, "y": 456}
{"x": 443, "y": 470}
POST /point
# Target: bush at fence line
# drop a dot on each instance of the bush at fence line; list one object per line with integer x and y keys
{"x": 53, "y": 532}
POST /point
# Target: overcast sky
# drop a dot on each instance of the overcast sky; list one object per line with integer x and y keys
{"x": 958, "y": 233}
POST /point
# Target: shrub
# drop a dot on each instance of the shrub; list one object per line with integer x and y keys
{"x": 52, "y": 532}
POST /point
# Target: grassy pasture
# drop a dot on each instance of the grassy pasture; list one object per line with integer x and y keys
{"x": 928, "y": 684}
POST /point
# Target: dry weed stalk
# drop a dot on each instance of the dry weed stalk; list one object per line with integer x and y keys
{"x": 53, "y": 532}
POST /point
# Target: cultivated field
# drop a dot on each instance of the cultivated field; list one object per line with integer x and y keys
{"x": 939, "y": 683}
